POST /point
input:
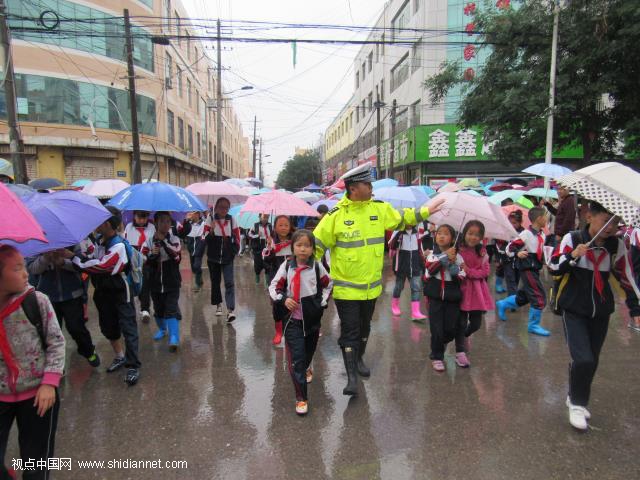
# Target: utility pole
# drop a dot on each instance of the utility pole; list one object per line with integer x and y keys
{"x": 261, "y": 177}
{"x": 16, "y": 147}
{"x": 255, "y": 172}
{"x": 548, "y": 156}
{"x": 393, "y": 141}
{"x": 136, "y": 167}
{"x": 378, "y": 105}
{"x": 219, "y": 110}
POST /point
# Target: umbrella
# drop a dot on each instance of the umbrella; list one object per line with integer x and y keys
{"x": 20, "y": 190}
{"x": 45, "y": 183}
{"x": 6, "y": 168}
{"x": 338, "y": 186}
{"x": 549, "y": 170}
{"x": 449, "y": 187}
{"x": 383, "y": 183}
{"x": 516, "y": 181}
{"x": 209, "y": 192}
{"x": 256, "y": 182}
{"x": 470, "y": 183}
{"x": 265, "y": 190}
{"x": 457, "y": 210}
{"x": 330, "y": 203}
{"x": 16, "y": 221}
{"x": 82, "y": 182}
{"x": 516, "y": 195}
{"x": 238, "y": 182}
{"x": 539, "y": 182}
{"x": 278, "y": 203}
{"x": 427, "y": 189}
{"x": 542, "y": 193}
{"x": 337, "y": 196}
{"x": 612, "y": 185}
{"x": 250, "y": 190}
{"x": 247, "y": 219}
{"x": 526, "y": 223}
{"x": 308, "y": 197}
{"x": 67, "y": 217}
{"x": 473, "y": 193}
{"x": 500, "y": 186}
{"x": 312, "y": 186}
{"x": 157, "y": 196}
{"x": 105, "y": 188}
{"x": 402, "y": 197}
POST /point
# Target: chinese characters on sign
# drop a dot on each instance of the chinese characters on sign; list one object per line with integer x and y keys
{"x": 439, "y": 144}
{"x": 466, "y": 143}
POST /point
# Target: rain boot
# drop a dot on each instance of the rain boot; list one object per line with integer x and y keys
{"x": 173, "y": 326}
{"x": 277, "y": 338}
{"x": 349, "y": 357}
{"x": 534, "y": 323}
{"x": 509, "y": 302}
{"x": 499, "y": 285}
{"x": 162, "y": 328}
{"x": 363, "y": 370}
{"x": 416, "y": 314}
{"x": 395, "y": 307}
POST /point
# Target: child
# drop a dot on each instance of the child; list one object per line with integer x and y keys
{"x": 476, "y": 298}
{"x": 113, "y": 295}
{"x": 63, "y": 284}
{"x": 529, "y": 252}
{"x": 300, "y": 291}
{"x": 634, "y": 245}
{"x": 223, "y": 243}
{"x": 31, "y": 367}
{"x": 442, "y": 288}
{"x": 164, "y": 279}
{"x": 260, "y": 234}
{"x": 587, "y": 300}
{"x": 408, "y": 264}
{"x": 510, "y": 273}
{"x": 277, "y": 251}
{"x": 137, "y": 233}
{"x": 193, "y": 231}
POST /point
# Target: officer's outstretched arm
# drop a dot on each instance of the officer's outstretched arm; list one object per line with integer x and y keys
{"x": 325, "y": 238}
{"x": 394, "y": 220}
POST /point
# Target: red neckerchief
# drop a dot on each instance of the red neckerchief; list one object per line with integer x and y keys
{"x": 597, "y": 277}
{"x": 5, "y": 346}
{"x": 442, "y": 283}
{"x": 223, "y": 227}
{"x": 280, "y": 246}
{"x": 295, "y": 282}
{"x": 266, "y": 232}
{"x": 142, "y": 237}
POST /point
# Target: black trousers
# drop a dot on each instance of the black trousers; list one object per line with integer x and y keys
{"x": 117, "y": 317}
{"x": 145, "y": 293}
{"x": 355, "y": 321}
{"x": 36, "y": 435}
{"x": 216, "y": 272}
{"x": 196, "y": 264}
{"x": 165, "y": 304}
{"x": 585, "y": 337}
{"x": 511, "y": 277}
{"x": 446, "y": 324}
{"x": 71, "y": 312}
{"x": 258, "y": 263}
{"x": 472, "y": 321}
{"x": 531, "y": 290}
{"x": 300, "y": 350}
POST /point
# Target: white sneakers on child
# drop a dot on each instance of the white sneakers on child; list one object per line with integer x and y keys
{"x": 302, "y": 407}
{"x": 578, "y": 416}
{"x": 146, "y": 316}
{"x": 218, "y": 310}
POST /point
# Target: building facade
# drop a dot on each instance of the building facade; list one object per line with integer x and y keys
{"x": 73, "y": 99}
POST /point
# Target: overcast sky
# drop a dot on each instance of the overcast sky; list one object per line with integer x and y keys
{"x": 293, "y": 105}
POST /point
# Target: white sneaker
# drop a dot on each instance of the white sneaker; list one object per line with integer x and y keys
{"x": 577, "y": 418}
{"x": 145, "y": 316}
{"x": 302, "y": 407}
{"x": 219, "y": 310}
{"x": 231, "y": 316}
{"x": 587, "y": 414}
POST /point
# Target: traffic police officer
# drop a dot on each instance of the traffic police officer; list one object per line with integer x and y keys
{"x": 354, "y": 233}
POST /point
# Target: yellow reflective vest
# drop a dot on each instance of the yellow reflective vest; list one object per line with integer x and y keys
{"x": 354, "y": 233}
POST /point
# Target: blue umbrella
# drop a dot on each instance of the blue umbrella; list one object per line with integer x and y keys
{"x": 20, "y": 190}
{"x": 549, "y": 170}
{"x": 385, "y": 182}
{"x": 67, "y": 217}
{"x": 45, "y": 183}
{"x": 329, "y": 203}
{"x": 81, "y": 183}
{"x": 402, "y": 197}
{"x": 155, "y": 197}
{"x": 427, "y": 189}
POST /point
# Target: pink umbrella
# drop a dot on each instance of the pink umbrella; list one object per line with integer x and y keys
{"x": 459, "y": 208}
{"x": 449, "y": 187}
{"x": 526, "y": 223}
{"x": 107, "y": 188}
{"x": 16, "y": 221}
{"x": 278, "y": 203}
{"x": 209, "y": 192}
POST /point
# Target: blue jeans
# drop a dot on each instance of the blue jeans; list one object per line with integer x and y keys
{"x": 216, "y": 272}
{"x": 416, "y": 286}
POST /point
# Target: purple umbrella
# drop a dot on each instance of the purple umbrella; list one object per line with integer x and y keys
{"x": 67, "y": 217}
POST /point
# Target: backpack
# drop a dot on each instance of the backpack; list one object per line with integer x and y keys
{"x": 31, "y": 309}
{"x": 134, "y": 269}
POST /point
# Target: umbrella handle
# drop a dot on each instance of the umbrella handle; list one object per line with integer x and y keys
{"x": 464, "y": 217}
{"x": 573, "y": 262}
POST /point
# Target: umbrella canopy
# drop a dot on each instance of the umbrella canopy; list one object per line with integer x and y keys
{"x": 612, "y": 185}
{"x": 67, "y": 217}
{"x": 312, "y": 186}
{"x": 514, "y": 195}
{"x": 402, "y": 197}
{"x": 209, "y": 192}
{"x": 330, "y": 203}
{"x": 256, "y": 182}
{"x": 458, "y": 210}
{"x": 526, "y": 223}
{"x": 500, "y": 186}
{"x": 542, "y": 193}
{"x": 449, "y": 187}
{"x": 337, "y": 186}
{"x": 6, "y": 168}
{"x": 539, "y": 182}
{"x": 265, "y": 190}
{"x": 383, "y": 183}
{"x": 473, "y": 193}
{"x": 247, "y": 219}
{"x": 238, "y": 182}
{"x": 82, "y": 182}
{"x": 549, "y": 170}
{"x": 105, "y": 188}
{"x": 250, "y": 190}
{"x": 45, "y": 183}
{"x": 308, "y": 197}
{"x": 157, "y": 196}
{"x": 278, "y": 203}
{"x": 20, "y": 190}
{"x": 427, "y": 189}
{"x": 516, "y": 181}
{"x": 470, "y": 183}
{"x": 16, "y": 221}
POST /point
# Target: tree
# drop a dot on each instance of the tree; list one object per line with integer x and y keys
{"x": 300, "y": 170}
{"x": 597, "y": 55}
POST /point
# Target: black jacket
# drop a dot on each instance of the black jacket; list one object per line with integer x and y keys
{"x": 222, "y": 249}
{"x": 164, "y": 268}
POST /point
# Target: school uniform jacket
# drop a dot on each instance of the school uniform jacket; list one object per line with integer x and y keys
{"x": 408, "y": 259}
{"x": 259, "y": 235}
{"x": 164, "y": 268}
{"x": 277, "y": 254}
{"x": 223, "y": 239}
{"x": 533, "y": 241}
{"x": 138, "y": 236}
{"x": 442, "y": 277}
{"x": 587, "y": 292}
{"x": 193, "y": 234}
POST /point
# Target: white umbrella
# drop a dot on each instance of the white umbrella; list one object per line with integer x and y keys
{"x": 105, "y": 188}
{"x": 402, "y": 197}
{"x": 209, "y": 192}
{"x": 238, "y": 182}
{"x": 549, "y": 170}
{"x": 612, "y": 185}
{"x": 308, "y": 197}
{"x": 459, "y": 208}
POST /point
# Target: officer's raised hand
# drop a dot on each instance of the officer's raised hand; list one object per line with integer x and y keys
{"x": 435, "y": 206}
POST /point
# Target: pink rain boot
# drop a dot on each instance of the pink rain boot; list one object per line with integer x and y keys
{"x": 395, "y": 307}
{"x": 416, "y": 314}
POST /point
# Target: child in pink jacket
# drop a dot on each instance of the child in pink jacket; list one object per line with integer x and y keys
{"x": 476, "y": 297}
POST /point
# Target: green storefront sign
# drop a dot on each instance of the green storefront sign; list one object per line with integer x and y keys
{"x": 445, "y": 143}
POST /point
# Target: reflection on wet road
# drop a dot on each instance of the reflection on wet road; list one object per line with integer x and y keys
{"x": 225, "y": 403}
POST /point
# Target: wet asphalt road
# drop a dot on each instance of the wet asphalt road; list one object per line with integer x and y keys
{"x": 225, "y": 403}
